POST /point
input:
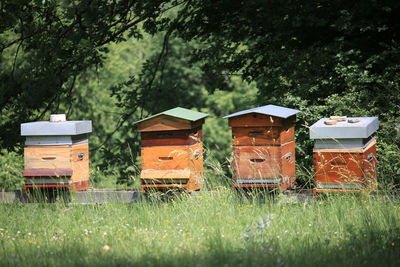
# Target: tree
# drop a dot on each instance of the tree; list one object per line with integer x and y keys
{"x": 322, "y": 57}
{"x": 45, "y": 45}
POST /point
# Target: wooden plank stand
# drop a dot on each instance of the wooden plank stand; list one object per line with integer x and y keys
{"x": 172, "y": 150}
{"x": 263, "y": 147}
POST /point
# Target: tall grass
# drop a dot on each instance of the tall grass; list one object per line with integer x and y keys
{"x": 207, "y": 229}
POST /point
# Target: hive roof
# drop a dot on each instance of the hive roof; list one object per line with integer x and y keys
{"x": 181, "y": 113}
{"x": 271, "y": 110}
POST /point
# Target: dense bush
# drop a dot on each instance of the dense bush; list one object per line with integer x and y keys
{"x": 11, "y": 168}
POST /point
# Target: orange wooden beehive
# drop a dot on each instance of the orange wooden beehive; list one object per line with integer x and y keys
{"x": 263, "y": 147}
{"x": 56, "y": 153}
{"x": 172, "y": 150}
{"x": 344, "y": 155}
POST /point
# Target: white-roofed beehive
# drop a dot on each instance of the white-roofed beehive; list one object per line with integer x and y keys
{"x": 344, "y": 154}
{"x": 56, "y": 153}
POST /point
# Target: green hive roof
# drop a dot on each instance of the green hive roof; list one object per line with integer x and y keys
{"x": 181, "y": 113}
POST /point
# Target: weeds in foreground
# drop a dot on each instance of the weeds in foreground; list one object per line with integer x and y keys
{"x": 210, "y": 229}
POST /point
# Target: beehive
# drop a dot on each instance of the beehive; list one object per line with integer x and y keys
{"x": 172, "y": 150}
{"x": 263, "y": 147}
{"x": 56, "y": 153}
{"x": 344, "y": 155}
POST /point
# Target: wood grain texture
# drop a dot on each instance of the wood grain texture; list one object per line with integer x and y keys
{"x": 254, "y": 120}
{"x": 346, "y": 167}
{"x": 165, "y": 158}
{"x": 48, "y": 157}
{"x": 255, "y": 136}
{"x": 256, "y": 162}
{"x": 172, "y": 138}
{"x": 80, "y": 165}
{"x": 286, "y": 134}
{"x": 74, "y": 158}
{"x": 252, "y": 162}
{"x": 164, "y": 123}
{"x": 288, "y": 160}
{"x": 173, "y": 162}
{"x": 262, "y": 136}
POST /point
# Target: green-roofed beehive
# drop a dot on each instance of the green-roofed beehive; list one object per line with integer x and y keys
{"x": 172, "y": 150}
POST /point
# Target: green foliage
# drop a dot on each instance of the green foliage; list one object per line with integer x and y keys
{"x": 324, "y": 58}
{"x": 11, "y": 169}
{"x": 117, "y": 62}
{"x": 45, "y": 45}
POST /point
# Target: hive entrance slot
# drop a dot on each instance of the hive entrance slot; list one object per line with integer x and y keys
{"x": 49, "y": 157}
{"x": 165, "y": 158}
{"x": 257, "y": 160}
{"x": 253, "y": 133}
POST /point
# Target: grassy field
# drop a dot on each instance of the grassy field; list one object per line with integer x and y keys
{"x": 209, "y": 229}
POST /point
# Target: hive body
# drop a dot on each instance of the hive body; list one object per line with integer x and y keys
{"x": 346, "y": 162}
{"x": 172, "y": 150}
{"x": 56, "y": 154}
{"x": 263, "y": 147}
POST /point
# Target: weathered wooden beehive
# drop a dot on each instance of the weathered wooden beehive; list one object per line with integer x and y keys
{"x": 263, "y": 147}
{"x": 172, "y": 150}
{"x": 56, "y": 153}
{"x": 344, "y": 155}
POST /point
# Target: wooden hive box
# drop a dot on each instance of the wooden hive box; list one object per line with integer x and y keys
{"x": 172, "y": 150}
{"x": 345, "y": 155}
{"x": 263, "y": 147}
{"x": 56, "y": 154}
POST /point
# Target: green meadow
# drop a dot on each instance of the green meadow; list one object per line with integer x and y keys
{"x": 208, "y": 229}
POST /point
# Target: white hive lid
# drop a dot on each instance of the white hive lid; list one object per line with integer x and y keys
{"x": 344, "y": 129}
{"x": 58, "y": 126}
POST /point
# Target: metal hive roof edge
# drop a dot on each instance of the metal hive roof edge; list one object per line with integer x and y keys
{"x": 47, "y": 128}
{"x": 178, "y": 112}
{"x": 271, "y": 110}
